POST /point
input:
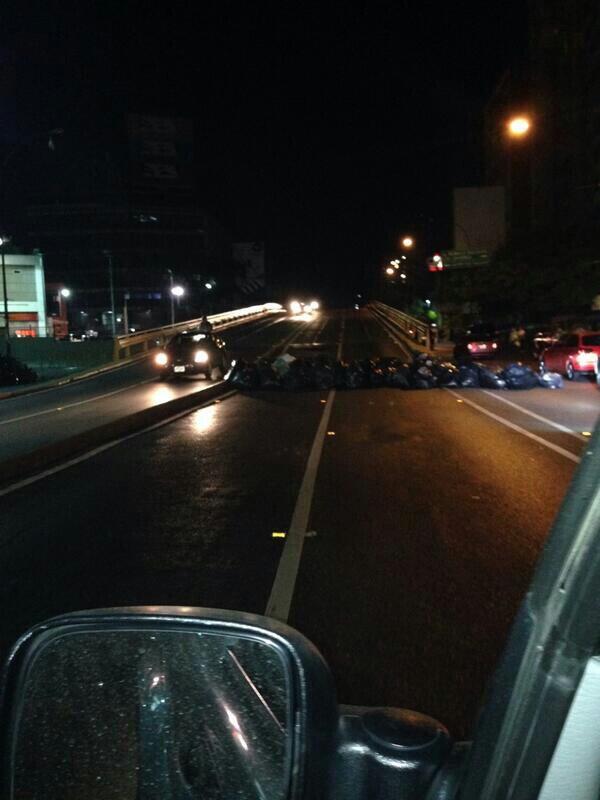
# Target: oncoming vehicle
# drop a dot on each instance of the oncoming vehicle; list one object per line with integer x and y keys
{"x": 192, "y": 353}
{"x": 574, "y": 354}
{"x": 303, "y": 307}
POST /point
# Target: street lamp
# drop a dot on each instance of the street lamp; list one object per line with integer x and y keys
{"x": 208, "y": 286}
{"x": 518, "y": 126}
{"x": 389, "y": 270}
{"x": 65, "y": 292}
{"x": 408, "y": 242}
{"x": 176, "y": 292}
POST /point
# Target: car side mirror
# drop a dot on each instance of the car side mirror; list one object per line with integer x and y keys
{"x": 171, "y": 703}
{"x": 165, "y": 703}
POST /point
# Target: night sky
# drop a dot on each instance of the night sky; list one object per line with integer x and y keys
{"x": 322, "y": 128}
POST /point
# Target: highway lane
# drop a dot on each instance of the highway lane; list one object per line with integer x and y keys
{"x": 31, "y": 421}
{"x": 428, "y": 515}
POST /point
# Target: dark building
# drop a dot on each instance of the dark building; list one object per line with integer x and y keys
{"x": 507, "y": 160}
{"x": 565, "y": 87}
{"x": 130, "y": 205}
{"x": 552, "y": 175}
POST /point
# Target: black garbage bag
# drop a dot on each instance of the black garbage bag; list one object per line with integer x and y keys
{"x": 398, "y": 377}
{"x": 424, "y": 378}
{"x": 376, "y": 374}
{"x": 356, "y": 376}
{"x": 490, "y": 380}
{"x": 468, "y": 377}
{"x": 15, "y": 373}
{"x": 300, "y": 376}
{"x": 244, "y": 376}
{"x": 423, "y": 360}
{"x": 551, "y": 380}
{"x": 518, "y": 376}
{"x": 324, "y": 374}
{"x": 267, "y": 377}
{"x": 446, "y": 373}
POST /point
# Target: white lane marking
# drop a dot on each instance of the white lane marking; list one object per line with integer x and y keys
{"x": 78, "y": 403}
{"x": 282, "y": 591}
{"x": 539, "y": 417}
{"x": 560, "y": 450}
{"x": 101, "y": 448}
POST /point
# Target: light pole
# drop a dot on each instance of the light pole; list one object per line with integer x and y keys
{"x": 176, "y": 292}
{"x": 63, "y": 296}
{"x": 113, "y": 320}
{"x": 4, "y": 240}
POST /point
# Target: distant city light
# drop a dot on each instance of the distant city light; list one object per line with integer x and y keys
{"x": 65, "y": 292}
{"x": 208, "y": 285}
{"x": 403, "y": 275}
{"x": 390, "y": 270}
{"x": 177, "y": 291}
{"x": 408, "y": 242}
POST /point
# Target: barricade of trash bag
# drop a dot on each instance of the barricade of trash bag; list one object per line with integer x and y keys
{"x": 244, "y": 376}
{"x": 518, "y": 376}
{"x": 551, "y": 380}
{"x": 424, "y": 372}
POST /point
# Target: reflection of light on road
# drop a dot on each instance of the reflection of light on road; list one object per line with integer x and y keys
{"x": 204, "y": 419}
{"x": 162, "y": 394}
{"x": 303, "y": 317}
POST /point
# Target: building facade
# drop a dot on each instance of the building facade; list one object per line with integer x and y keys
{"x": 26, "y": 293}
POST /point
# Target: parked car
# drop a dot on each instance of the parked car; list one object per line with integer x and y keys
{"x": 573, "y": 354}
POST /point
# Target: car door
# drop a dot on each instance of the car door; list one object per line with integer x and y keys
{"x": 538, "y": 737}
{"x": 555, "y": 357}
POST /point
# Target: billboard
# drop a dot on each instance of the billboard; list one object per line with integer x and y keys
{"x": 479, "y": 218}
{"x": 161, "y": 151}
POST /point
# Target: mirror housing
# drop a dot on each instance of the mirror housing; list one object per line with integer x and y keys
{"x": 311, "y": 721}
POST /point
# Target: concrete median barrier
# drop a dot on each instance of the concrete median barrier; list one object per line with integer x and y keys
{"x": 48, "y": 456}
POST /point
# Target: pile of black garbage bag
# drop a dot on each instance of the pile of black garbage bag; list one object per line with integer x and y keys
{"x": 424, "y": 372}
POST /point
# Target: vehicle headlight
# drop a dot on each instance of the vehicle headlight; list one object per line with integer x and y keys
{"x": 200, "y": 356}
{"x": 295, "y": 307}
{"x": 161, "y": 359}
{"x": 314, "y": 305}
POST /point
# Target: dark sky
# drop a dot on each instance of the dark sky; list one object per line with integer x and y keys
{"x": 325, "y": 129}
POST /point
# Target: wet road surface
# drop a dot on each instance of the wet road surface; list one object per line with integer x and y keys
{"x": 428, "y": 515}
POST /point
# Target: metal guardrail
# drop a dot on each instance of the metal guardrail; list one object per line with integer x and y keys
{"x": 415, "y": 329}
{"x": 144, "y": 341}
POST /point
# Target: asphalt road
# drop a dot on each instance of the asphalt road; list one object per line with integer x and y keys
{"x": 428, "y": 513}
{"x": 31, "y": 421}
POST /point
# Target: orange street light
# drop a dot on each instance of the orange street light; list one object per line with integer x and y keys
{"x": 518, "y": 127}
{"x": 408, "y": 242}
{"x": 390, "y": 271}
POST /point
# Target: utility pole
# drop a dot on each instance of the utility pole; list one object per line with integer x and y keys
{"x": 3, "y": 242}
{"x": 113, "y": 318}
{"x": 172, "y": 296}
